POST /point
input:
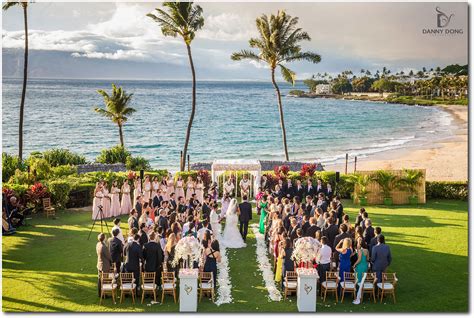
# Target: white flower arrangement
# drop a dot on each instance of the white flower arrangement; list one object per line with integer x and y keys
{"x": 189, "y": 250}
{"x": 224, "y": 291}
{"x": 306, "y": 249}
{"x": 265, "y": 266}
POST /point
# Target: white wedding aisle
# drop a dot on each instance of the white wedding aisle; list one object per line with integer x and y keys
{"x": 224, "y": 284}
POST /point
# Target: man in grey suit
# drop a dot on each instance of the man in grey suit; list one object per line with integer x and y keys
{"x": 381, "y": 257}
{"x": 104, "y": 260}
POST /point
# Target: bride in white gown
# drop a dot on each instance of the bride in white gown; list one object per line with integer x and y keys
{"x": 232, "y": 237}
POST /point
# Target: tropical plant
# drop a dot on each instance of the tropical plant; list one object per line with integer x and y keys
{"x": 24, "y": 4}
{"x": 60, "y": 157}
{"x": 385, "y": 179}
{"x": 361, "y": 181}
{"x": 137, "y": 163}
{"x": 36, "y": 193}
{"x": 59, "y": 190}
{"x": 410, "y": 180}
{"x": 9, "y": 165}
{"x": 183, "y": 19}
{"x": 116, "y": 107}
{"x": 117, "y": 154}
{"x": 307, "y": 170}
{"x": 278, "y": 44}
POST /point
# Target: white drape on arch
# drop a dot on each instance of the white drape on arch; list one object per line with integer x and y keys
{"x": 219, "y": 166}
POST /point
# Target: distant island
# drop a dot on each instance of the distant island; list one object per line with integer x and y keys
{"x": 424, "y": 87}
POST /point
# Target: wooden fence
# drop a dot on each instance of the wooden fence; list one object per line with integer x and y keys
{"x": 398, "y": 196}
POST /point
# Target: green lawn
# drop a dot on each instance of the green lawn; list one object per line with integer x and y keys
{"x": 50, "y": 266}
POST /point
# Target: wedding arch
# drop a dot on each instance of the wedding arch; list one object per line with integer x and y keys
{"x": 253, "y": 167}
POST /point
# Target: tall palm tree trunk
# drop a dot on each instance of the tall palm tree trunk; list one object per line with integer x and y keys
{"x": 280, "y": 109}
{"x": 193, "y": 111}
{"x": 25, "y": 78}
{"x": 121, "y": 135}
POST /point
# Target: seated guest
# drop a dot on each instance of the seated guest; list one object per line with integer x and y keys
{"x": 133, "y": 256}
{"x": 381, "y": 257}
{"x": 153, "y": 257}
{"x": 117, "y": 226}
{"x": 205, "y": 236}
{"x": 368, "y": 232}
{"x": 17, "y": 213}
{"x": 359, "y": 218}
{"x": 324, "y": 259}
{"x": 104, "y": 260}
{"x": 116, "y": 248}
{"x": 133, "y": 220}
{"x": 373, "y": 241}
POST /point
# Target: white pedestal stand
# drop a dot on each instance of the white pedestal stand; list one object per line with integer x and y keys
{"x": 306, "y": 293}
{"x": 188, "y": 290}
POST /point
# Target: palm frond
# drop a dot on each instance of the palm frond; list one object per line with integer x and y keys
{"x": 288, "y": 75}
{"x": 7, "y": 5}
{"x": 245, "y": 54}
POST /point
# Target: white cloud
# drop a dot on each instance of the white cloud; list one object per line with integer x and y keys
{"x": 227, "y": 27}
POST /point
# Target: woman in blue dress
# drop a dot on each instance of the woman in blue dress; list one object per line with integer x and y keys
{"x": 344, "y": 248}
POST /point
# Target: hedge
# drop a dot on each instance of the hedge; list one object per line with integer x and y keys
{"x": 453, "y": 190}
{"x": 59, "y": 190}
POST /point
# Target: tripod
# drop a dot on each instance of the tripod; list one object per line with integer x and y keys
{"x": 102, "y": 219}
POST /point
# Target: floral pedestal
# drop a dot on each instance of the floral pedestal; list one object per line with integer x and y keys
{"x": 306, "y": 292}
{"x": 188, "y": 288}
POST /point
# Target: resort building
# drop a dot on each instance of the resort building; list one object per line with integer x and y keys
{"x": 323, "y": 89}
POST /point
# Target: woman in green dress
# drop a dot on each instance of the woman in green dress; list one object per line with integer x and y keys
{"x": 362, "y": 264}
{"x": 263, "y": 213}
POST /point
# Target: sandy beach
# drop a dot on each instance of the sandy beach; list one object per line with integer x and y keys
{"x": 446, "y": 160}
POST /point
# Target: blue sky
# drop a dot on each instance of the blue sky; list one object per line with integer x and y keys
{"x": 117, "y": 40}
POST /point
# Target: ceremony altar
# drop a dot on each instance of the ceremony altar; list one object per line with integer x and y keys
{"x": 253, "y": 167}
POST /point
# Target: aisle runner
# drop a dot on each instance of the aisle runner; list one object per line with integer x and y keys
{"x": 224, "y": 295}
{"x": 265, "y": 266}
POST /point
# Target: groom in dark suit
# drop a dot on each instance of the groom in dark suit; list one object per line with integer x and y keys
{"x": 245, "y": 216}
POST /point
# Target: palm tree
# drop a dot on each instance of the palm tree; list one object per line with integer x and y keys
{"x": 116, "y": 107}
{"x": 24, "y": 6}
{"x": 183, "y": 19}
{"x": 278, "y": 44}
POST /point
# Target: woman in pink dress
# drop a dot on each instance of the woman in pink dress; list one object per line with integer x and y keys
{"x": 164, "y": 188}
{"x": 189, "y": 188}
{"x": 115, "y": 199}
{"x": 147, "y": 190}
{"x": 106, "y": 200}
{"x": 137, "y": 185}
{"x": 199, "y": 190}
{"x": 170, "y": 184}
{"x": 155, "y": 185}
{"x": 126, "y": 204}
{"x": 179, "y": 188}
{"x": 98, "y": 195}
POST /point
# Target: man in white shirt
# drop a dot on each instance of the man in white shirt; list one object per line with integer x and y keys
{"x": 324, "y": 259}
{"x": 203, "y": 229}
{"x": 187, "y": 224}
{"x": 117, "y": 226}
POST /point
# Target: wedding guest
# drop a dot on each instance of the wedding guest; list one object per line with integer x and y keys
{"x": 292, "y": 231}
{"x": 305, "y": 224}
{"x": 329, "y": 192}
{"x": 116, "y": 249}
{"x": 206, "y": 208}
{"x": 339, "y": 208}
{"x": 133, "y": 220}
{"x": 131, "y": 235}
{"x": 179, "y": 187}
{"x": 322, "y": 203}
{"x": 331, "y": 232}
{"x": 201, "y": 233}
{"x": 139, "y": 205}
{"x": 153, "y": 257}
{"x": 313, "y": 227}
{"x": 320, "y": 187}
{"x": 324, "y": 259}
{"x": 278, "y": 193}
{"x": 173, "y": 206}
{"x": 319, "y": 218}
{"x": 104, "y": 260}
{"x": 169, "y": 254}
{"x": 212, "y": 257}
{"x": 361, "y": 266}
{"x": 299, "y": 190}
{"x": 373, "y": 241}
{"x": 106, "y": 208}
{"x": 264, "y": 182}
{"x": 309, "y": 190}
{"x": 214, "y": 220}
{"x": 381, "y": 257}
{"x": 286, "y": 254}
{"x": 133, "y": 256}
{"x": 117, "y": 226}
{"x": 344, "y": 248}
{"x": 181, "y": 205}
{"x": 213, "y": 191}
{"x": 187, "y": 225}
{"x": 343, "y": 234}
{"x": 143, "y": 236}
{"x": 189, "y": 188}
{"x": 368, "y": 232}
{"x": 126, "y": 203}
{"x": 157, "y": 199}
{"x": 359, "y": 218}
{"x": 345, "y": 220}
{"x": 162, "y": 220}
{"x": 245, "y": 215}
{"x": 288, "y": 189}
{"x": 147, "y": 189}
{"x": 365, "y": 216}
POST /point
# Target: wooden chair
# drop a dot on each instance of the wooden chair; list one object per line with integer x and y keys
{"x": 48, "y": 209}
{"x": 206, "y": 285}
{"x": 348, "y": 285}
{"x": 168, "y": 284}
{"x": 108, "y": 285}
{"x": 369, "y": 286}
{"x": 330, "y": 284}
{"x": 149, "y": 284}
{"x": 127, "y": 286}
{"x": 290, "y": 283}
{"x": 387, "y": 286}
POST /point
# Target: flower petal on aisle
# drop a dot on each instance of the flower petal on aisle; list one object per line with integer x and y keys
{"x": 265, "y": 266}
{"x": 224, "y": 291}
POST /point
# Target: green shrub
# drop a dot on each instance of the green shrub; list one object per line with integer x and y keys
{"x": 60, "y": 157}
{"x": 21, "y": 177}
{"x": 296, "y": 92}
{"x": 9, "y": 165}
{"x": 19, "y": 189}
{"x": 63, "y": 171}
{"x": 59, "y": 190}
{"x": 137, "y": 163}
{"x": 117, "y": 154}
{"x": 41, "y": 167}
{"x": 447, "y": 190}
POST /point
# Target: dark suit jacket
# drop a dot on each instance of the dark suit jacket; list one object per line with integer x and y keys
{"x": 182, "y": 208}
{"x": 381, "y": 257}
{"x": 369, "y": 234}
{"x": 104, "y": 261}
{"x": 288, "y": 191}
{"x": 358, "y": 220}
{"x": 143, "y": 238}
{"x": 299, "y": 192}
{"x": 322, "y": 189}
{"x": 132, "y": 222}
{"x": 293, "y": 235}
{"x": 116, "y": 249}
{"x": 173, "y": 205}
{"x": 156, "y": 202}
{"x": 339, "y": 212}
{"x": 138, "y": 208}
{"x": 309, "y": 191}
{"x": 312, "y": 229}
{"x": 245, "y": 212}
{"x": 331, "y": 232}
{"x": 373, "y": 242}
{"x": 305, "y": 227}
{"x": 339, "y": 238}
{"x": 153, "y": 255}
{"x": 133, "y": 255}
{"x": 323, "y": 205}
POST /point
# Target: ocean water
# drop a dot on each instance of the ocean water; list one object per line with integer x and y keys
{"x": 233, "y": 120}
